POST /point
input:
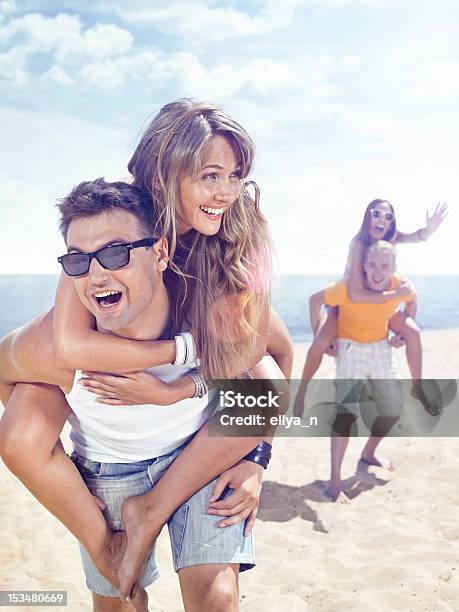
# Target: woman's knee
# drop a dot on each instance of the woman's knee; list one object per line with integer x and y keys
{"x": 12, "y": 449}
{"x": 30, "y": 426}
{"x": 21, "y": 442}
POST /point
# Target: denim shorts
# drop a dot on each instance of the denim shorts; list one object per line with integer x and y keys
{"x": 195, "y": 537}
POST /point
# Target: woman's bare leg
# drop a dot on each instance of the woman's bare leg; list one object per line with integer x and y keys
{"x": 31, "y": 449}
{"x": 407, "y": 328}
{"x": 145, "y": 515}
{"x": 401, "y": 324}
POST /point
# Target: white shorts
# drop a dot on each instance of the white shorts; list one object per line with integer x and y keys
{"x": 372, "y": 363}
{"x": 365, "y": 360}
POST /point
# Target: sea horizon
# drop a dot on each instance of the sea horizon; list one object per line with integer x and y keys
{"x": 26, "y": 295}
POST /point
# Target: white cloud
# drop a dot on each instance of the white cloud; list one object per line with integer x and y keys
{"x": 438, "y": 78}
{"x": 259, "y": 76}
{"x": 266, "y": 77}
{"x": 337, "y": 4}
{"x": 7, "y": 6}
{"x": 38, "y": 33}
{"x": 59, "y": 75}
{"x": 64, "y": 37}
{"x": 112, "y": 63}
{"x": 199, "y": 22}
{"x": 105, "y": 75}
{"x": 370, "y": 123}
{"x": 13, "y": 66}
{"x": 100, "y": 42}
{"x": 262, "y": 77}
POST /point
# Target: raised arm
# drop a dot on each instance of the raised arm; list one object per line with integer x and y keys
{"x": 433, "y": 222}
{"x": 79, "y": 346}
{"x": 279, "y": 344}
{"x": 357, "y": 292}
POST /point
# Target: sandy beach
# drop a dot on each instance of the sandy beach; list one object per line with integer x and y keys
{"x": 395, "y": 546}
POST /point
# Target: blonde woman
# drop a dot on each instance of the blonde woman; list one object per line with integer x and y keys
{"x": 192, "y": 160}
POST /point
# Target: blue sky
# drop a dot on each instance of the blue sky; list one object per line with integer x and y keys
{"x": 347, "y": 100}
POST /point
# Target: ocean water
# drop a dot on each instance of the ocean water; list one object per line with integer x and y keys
{"x": 24, "y": 296}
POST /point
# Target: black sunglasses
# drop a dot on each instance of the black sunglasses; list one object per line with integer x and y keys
{"x": 110, "y": 257}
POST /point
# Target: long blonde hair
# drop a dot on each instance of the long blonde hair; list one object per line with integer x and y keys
{"x": 217, "y": 287}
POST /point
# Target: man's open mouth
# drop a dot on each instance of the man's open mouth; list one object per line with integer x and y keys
{"x": 105, "y": 299}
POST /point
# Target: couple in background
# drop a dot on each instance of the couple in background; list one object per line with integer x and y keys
{"x": 361, "y": 310}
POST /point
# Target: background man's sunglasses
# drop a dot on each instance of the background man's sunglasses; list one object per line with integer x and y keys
{"x": 377, "y": 214}
{"x": 110, "y": 257}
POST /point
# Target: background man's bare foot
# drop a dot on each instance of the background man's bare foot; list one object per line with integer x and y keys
{"x": 142, "y": 532}
{"x": 367, "y": 460}
{"x": 336, "y": 494}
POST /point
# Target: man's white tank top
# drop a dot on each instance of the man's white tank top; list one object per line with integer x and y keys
{"x": 123, "y": 434}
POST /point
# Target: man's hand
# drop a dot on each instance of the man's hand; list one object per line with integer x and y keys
{"x": 131, "y": 389}
{"x": 332, "y": 348}
{"x": 404, "y": 287}
{"x": 397, "y": 341}
{"x": 245, "y": 480}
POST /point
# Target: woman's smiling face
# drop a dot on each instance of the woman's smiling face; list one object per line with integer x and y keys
{"x": 205, "y": 197}
{"x": 381, "y": 217}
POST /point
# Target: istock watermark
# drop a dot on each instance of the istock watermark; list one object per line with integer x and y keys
{"x": 230, "y": 399}
{"x": 259, "y": 420}
{"x": 250, "y": 407}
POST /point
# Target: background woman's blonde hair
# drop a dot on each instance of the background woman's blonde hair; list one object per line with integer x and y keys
{"x": 216, "y": 275}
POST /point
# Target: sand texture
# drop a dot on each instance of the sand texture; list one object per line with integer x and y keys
{"x": 395, "y": 546}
